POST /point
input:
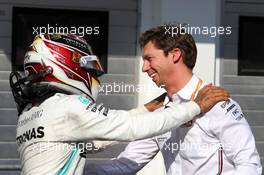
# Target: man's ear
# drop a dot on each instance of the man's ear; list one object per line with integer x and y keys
{"x": 176, "y": 54}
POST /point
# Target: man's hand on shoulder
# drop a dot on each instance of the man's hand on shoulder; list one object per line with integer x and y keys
{"x": 209, "y": 95}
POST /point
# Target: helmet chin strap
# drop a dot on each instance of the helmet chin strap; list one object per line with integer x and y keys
{"x": 21, "y": 87}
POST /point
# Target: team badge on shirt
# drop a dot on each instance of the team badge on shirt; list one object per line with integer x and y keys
{"x": 233, "y": 108}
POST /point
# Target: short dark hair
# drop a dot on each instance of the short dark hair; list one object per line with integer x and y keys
{"x": 164, "y": 40}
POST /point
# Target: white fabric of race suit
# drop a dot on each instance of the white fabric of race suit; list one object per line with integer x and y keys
{"x": 51, "y": 137}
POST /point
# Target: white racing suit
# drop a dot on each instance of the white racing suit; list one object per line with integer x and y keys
{"x": 52, "y": 137}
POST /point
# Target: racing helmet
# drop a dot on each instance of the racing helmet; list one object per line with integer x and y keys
{"x": 64, "y": 62}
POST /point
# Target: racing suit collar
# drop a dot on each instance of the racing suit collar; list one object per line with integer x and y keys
{"x": 186, "y": 92}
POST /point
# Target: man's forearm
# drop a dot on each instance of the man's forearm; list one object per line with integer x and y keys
{"x": 121, "y": 166}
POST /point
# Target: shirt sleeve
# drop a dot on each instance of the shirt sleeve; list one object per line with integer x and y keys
{"x": 121, "y": 166}
{"x": 232, "y": 129}
{"x": 141, "y": 151}
{"x": 135, "y": 156}
{"x": 83, "y": 121}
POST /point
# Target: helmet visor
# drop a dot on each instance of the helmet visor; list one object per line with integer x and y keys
{"x": 92, "y": 64}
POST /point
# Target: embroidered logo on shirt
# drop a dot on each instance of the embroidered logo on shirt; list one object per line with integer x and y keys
{"x": 237, "y": 114}
{"x": 224, "y": 104}
{"x": 234, "y": 109}
{"x": 231, "y": 107}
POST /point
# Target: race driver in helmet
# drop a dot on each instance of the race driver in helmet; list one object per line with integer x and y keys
{"x": 57, "y": 111}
